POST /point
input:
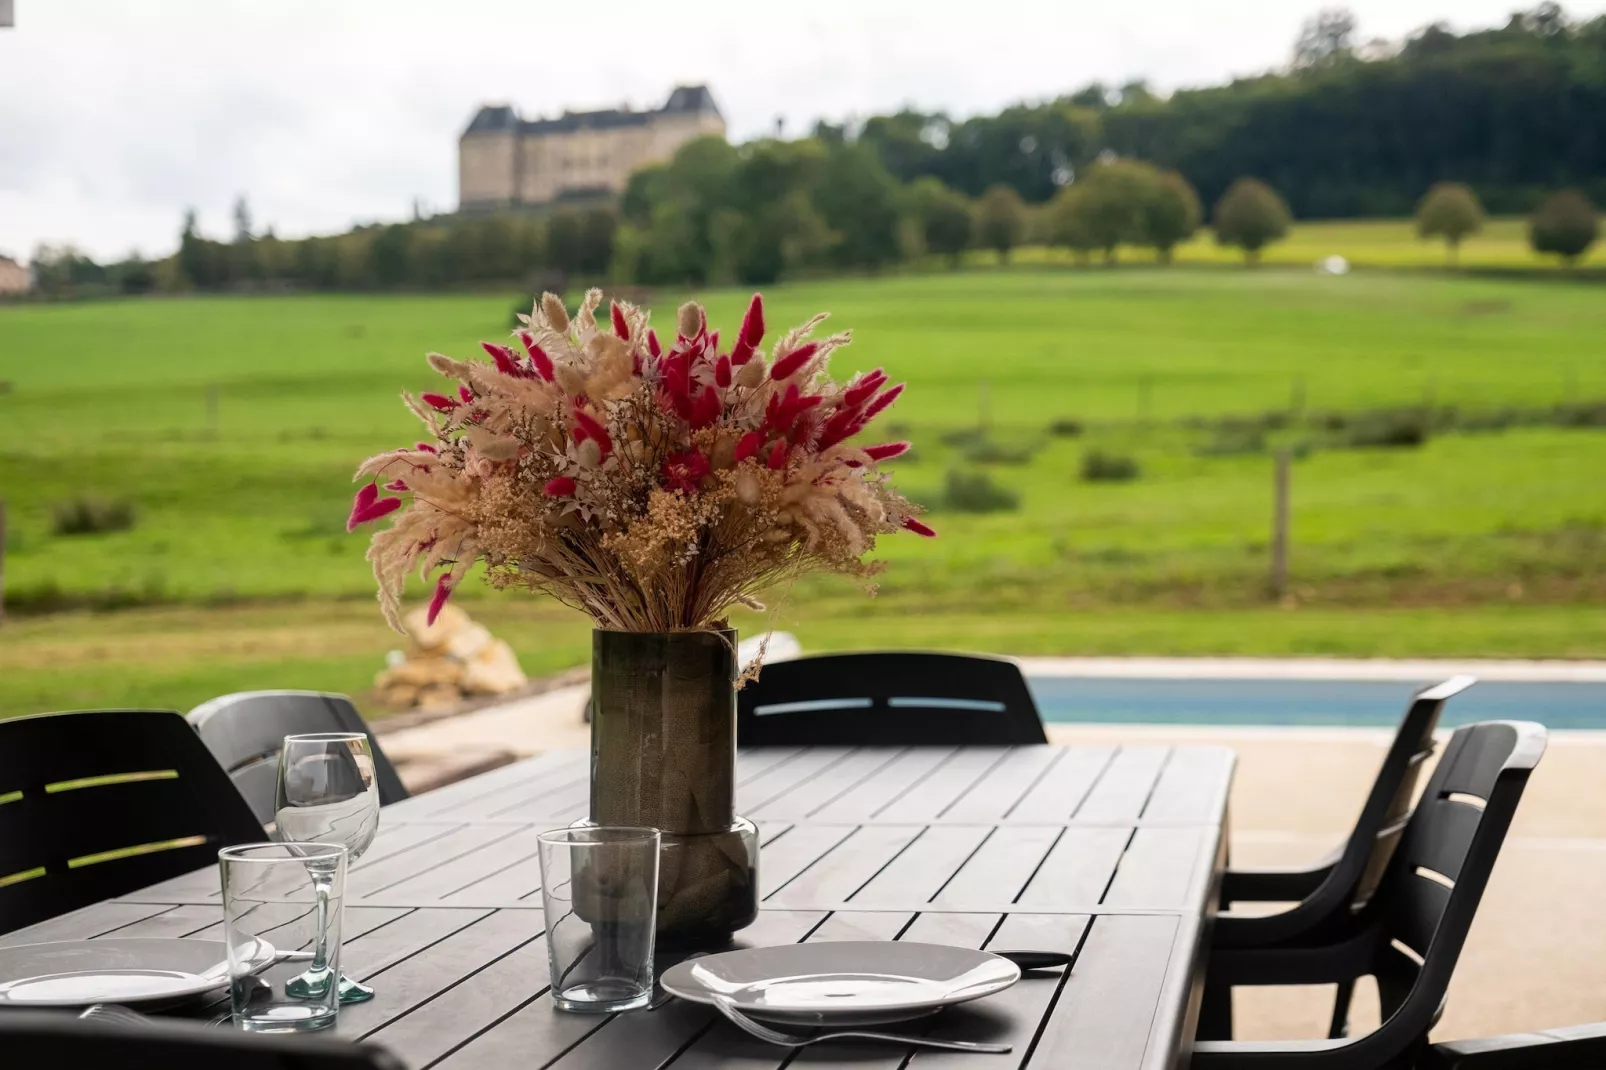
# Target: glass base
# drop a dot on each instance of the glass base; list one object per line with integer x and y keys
{"x": 314, "y": 984}
{"x": 354, "y": 991}
{"x": 604, "y": 996}
{"x": 286, "y": 1019}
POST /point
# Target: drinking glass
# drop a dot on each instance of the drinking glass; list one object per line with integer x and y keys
{"x": 285, "y": 896}
{"x": 327, "y": 793}
{"x": 599, "y": 887}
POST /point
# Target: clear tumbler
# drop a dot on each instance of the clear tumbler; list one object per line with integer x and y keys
{"x": 599, "y": 885}
{"x": 283, "y": 901}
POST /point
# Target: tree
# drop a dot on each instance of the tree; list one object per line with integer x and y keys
{"x": 1115, "y": 200}
{"x": 944, "y": 218}
{"x": 1450, "y": 210}
{"x": 1000, "y": 220}
{"x": 1250, "y": 215}
{"x": 858, "y": 199}
{"x": 1325, "y": 39}
{"x": 242, "y": 220}
{"x": 192, "y": 257}
{"x": 1067, "y": 222}
{"x": 1565, "y": 223}
{"x": 1171, "y": 215}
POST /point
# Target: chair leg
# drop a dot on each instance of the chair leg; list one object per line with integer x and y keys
{"x": 1215, "y": 1013}
{"x": 1339, "y": 1029}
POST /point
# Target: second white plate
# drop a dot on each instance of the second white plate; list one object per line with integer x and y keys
{"x": 77, "y": 973}
{"x": 847, "y": 983}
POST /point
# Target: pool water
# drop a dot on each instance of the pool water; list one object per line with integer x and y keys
{"x": 1307, "y": 702}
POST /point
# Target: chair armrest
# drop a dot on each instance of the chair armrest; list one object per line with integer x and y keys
{"x": 1260, "y": 1054}
{"x": 1574, "y": 1047}
{"x": 1274, "y": 885}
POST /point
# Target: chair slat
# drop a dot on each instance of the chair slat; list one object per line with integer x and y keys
{"x": 1445, "y": 836}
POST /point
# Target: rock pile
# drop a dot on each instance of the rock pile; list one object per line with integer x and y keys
{"x": 446, "y": 662}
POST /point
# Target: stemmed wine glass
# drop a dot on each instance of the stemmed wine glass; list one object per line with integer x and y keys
{"x": 327, "y": 793}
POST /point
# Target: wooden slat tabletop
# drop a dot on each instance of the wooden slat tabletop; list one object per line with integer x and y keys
{"x": 1110, "y": 853}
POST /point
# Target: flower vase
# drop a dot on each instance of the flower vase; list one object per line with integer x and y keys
{"x": 663, "y": 754}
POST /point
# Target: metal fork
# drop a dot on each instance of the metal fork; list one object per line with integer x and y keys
{"x": 728, "y": 1008}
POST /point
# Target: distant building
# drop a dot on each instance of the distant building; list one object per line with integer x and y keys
{"x": 14, "y": 278}
{"x": 505, "y": 161}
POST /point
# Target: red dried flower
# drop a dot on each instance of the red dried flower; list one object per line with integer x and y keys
{"x": 722, "y": 373}
{"x": 426, "y": 447}
{"x": 561, "y": 487}
{"x": 777, "y": 458}
{"x": 793, "y": 362}
{"x": 751, "y": 334}
{"x": 368, "y": 505}
{"x": 880, "y": 403}
{"x": 749, "y": 445}
{"x": 652, "y": 344}
{"x": 683, "y": 471}
{"x": 588, "y": 426}
{"x": 887, "y": 451}
{"x": 443, "y": 591}
{"x": 860, "y": 392}
{"x": 396, "y": 485}
{"x": 620, "y": 326}
{"x": 538, "y": 358}
{"x": 439, "y": 401}
{"x": 911, "y": 524}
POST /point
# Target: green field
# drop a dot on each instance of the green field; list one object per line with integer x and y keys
{"x": 1486, "y": 542}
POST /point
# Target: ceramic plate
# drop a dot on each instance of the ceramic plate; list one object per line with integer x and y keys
{"x": 76, "y": 973}
{"x": 854, "y": 982}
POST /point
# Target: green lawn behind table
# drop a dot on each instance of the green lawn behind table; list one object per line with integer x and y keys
{"x": 1501, "y": 245}
{"x": 1478, "y": 543}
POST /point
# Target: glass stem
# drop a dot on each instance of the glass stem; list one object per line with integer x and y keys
{"x": 320, "y": 936}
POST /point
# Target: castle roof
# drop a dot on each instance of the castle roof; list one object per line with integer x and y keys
{"x": 499, "y": 118}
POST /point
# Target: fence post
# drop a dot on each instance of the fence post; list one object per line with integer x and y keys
{"x": 1279, "y": 526}
{"x": 211, "y": 410}
{"x": 2, "y": 560}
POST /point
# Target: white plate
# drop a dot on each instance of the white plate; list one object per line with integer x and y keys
{"x": 77, "y": 973}
{"x": 860, "y": 982}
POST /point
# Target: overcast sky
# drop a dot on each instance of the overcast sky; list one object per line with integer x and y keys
{"x": 115, "y": 114}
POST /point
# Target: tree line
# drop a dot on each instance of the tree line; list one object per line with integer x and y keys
{"x": 1500, "y": 118}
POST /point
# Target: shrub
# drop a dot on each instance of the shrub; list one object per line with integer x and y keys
{"x": 984, "y": 450}
{"x": 1101, "y": 467}
{"x": 1387, "y": 430}
{"x": 1065, "y": 427}
{"x": 1564, "y": 224}
{"x": 976, "y": 492}
{"x": 1250, "y": 215}
{"x": 1450, "y": 210}
{"x": 92, "y": 516}
{"x": 944, "y": 218}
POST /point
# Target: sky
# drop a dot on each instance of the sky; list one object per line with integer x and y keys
{"x": 116, "y": 115}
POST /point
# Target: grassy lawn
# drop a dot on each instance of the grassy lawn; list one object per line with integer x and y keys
{"x": 1474, "y": 544}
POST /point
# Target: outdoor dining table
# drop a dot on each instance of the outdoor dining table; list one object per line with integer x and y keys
{"x": 1114, "y": 853}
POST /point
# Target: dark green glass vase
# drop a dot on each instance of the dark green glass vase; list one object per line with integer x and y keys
{"x": 663, "y": 754}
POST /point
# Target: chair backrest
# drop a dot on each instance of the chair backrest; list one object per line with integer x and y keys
{"x": 1430, "y": 893}
{"x": 245, "y": 732}
{"x": 1383, "y": 818}
{"x": 103, "y": 803}
{"x": 35, "y": 1039}
{"x": 888, "y": 698}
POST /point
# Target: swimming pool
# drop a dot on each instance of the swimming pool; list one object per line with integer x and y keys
{"x": 1367, "y": 703}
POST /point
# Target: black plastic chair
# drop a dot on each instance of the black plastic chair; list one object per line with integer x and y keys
{"x": 1573, "y": 1047}
{"x": 1410, "y": 933}
{"x": 245, "y": 732}
{"x": 888, "y": 699}
{"x": 1328, "y": 892}
{"x": 32, "y": 1039}
{"x": 103, "y": 803}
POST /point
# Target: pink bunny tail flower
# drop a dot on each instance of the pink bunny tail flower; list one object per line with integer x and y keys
{"x": 722, "y": 372}
{"x": 887, "y": 451}
{"x": 538, "y": 358}
{"x": 443, "y": 591}
{"x": 368, "y": 505}
{"x": 439, "y": 402}
{"x": 749, "y": 445}
{"x": 751, "y": 334}
{"x": 881, "y": 402}
{"x": 503, "y": 356}
{"x": 911, "y": 524}
{"x": 653, "y": 345}
{"x": 621, "y": 327}
{"x": 396, "y": 485}
{"x": 793, "y": 362}
{"x": 561, "y": 487}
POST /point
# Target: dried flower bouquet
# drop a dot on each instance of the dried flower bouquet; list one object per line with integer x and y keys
{"x": 653, "y": 488}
